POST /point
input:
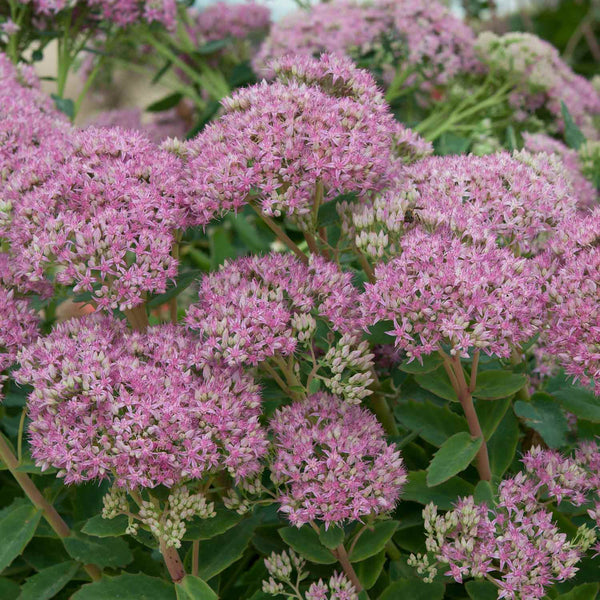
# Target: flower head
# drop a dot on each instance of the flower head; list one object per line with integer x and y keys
{"x": 257, "y": 307}
{"x": 441, "y": 291}
{"x": 332, "y": 462}
{"x": 134, "y": 407}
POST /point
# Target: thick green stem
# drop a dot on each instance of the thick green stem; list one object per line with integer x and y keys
{"x": 37, "y": 499}
{"x": 384, "y": 414}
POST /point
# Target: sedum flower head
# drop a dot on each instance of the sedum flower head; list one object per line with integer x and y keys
{"x": 440, "y": 292}
{"x": 573, "y": 334}
{"x": 321, "y": 129}
{"x": 544, "y": 80}
{"x": 262, "y": 306}
{"x": 575, "y": 165}
{"x": 332, "y": 462}
{"x": 104, "y": 222}
{"x": 391, "y": 32}
{"x": 517, "y": 200}
{"x": 132, "y": 407}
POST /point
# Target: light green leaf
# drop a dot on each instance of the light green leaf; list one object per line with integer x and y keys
{"x": 373, "y": 540}
{"x": 481, "y": 590}
{"x": 205, "y": 529}
{"x": 454, "y": 456}
{"x": 225, "y": 549}
{"x": 194, "y": 588}
{"x": 484, "y": 494}
{"x": 437, "y": 383}
{"x": 503, "y": 444}
{"x": 429, "y": 363}
{"x": 18, "y": 523}
{"x": 443, "y": 495}
{"x": 369, "y": 570}
{"x": 48, "y": 582}
{"x": 306, "y": 542}
{"x": 331, "y": 537}
{"x": 573, "y": 135}
{"x": 100, "y": 527}
{"x": 126, "y": 587}
{"x": 104, "y": 552}
{"x": 434, "y": 423}
{"x": 497, "y": 384}
{"x": 413, "y": 589}
{"x": 543, "y": 414}
{"x": 581, "y": 402}
{"x": 586, "y": 591}
{"x": 490, "y": 414}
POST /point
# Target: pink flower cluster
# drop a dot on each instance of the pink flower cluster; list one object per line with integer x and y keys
{"x": 573, "y": 333}
{"x": 518, "y": 201}
{"x": 323, "y": 124}
{"x": 543, "y": 79}
{"x": 258, "y": 307}
{"x": 19, "y": 328}
{"x": 105, "y": 219}
{"x": 421, "y": 35}
{"x": 135, "y": 407}
{"x": 120, "y": 12}
{"x": 223, "y": 20}
{"x": 441, "y": 291}
{"x": 583, "y": 189}
{"x": 516, "y": 542}
{"x": 332, "y": 462}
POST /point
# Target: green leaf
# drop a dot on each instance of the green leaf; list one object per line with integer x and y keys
{"x": 434, "y": 423}
{"x": 451, "y": 143}
{"x": 306, "y": 542}
{"x": 368, "y": 570}
{"x": 437, "y": 383}
{"x": 48, "y": 582}
{"x": 328, "y": 214}
{"x": 101, "y": 527}
{"x": 18, "y": 523}
{"x": 104, "y": 552}
{"x": 221, "y": 247}
{"x": 586, "y": 591}
{"x": 484, "y": 494}
{"x": 443, "y": 495}
{"x": 573, "y": 135}
{"x": 205, "y": 529}
{"x": 494, "y": 385}
{"x": 127, "y": 587}
{"x": 481, "y": 590}
{"x": 64, "y": 105}
{"x": 429, "y": 363}
{"x": 490, "y": 414}
{"x": 211, "y": 47}
{"x": 165, "y": 103}
{"x": 503, "y": 444}
{"x": 9, "y": 589}
{"x": 249, "y": 234}
{"x": 332, "y": 537}
{"x": 378, "y": 333}
{"x": 454, "y": 456}
{"x": 413, "y": 589}
{"x": 194, "y": 588}
{"x": 581, "y": 402}
{"x": 183, "y": 281}
{"x": 373, "y": 541}
{"x": 215, "y": 556}
{"x": 543, "y": 414}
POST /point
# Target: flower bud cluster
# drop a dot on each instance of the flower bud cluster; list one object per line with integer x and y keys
{"x": 168, "y": 524}
{"x": 332, "y": 462}
{"x": 351, "y": 364}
